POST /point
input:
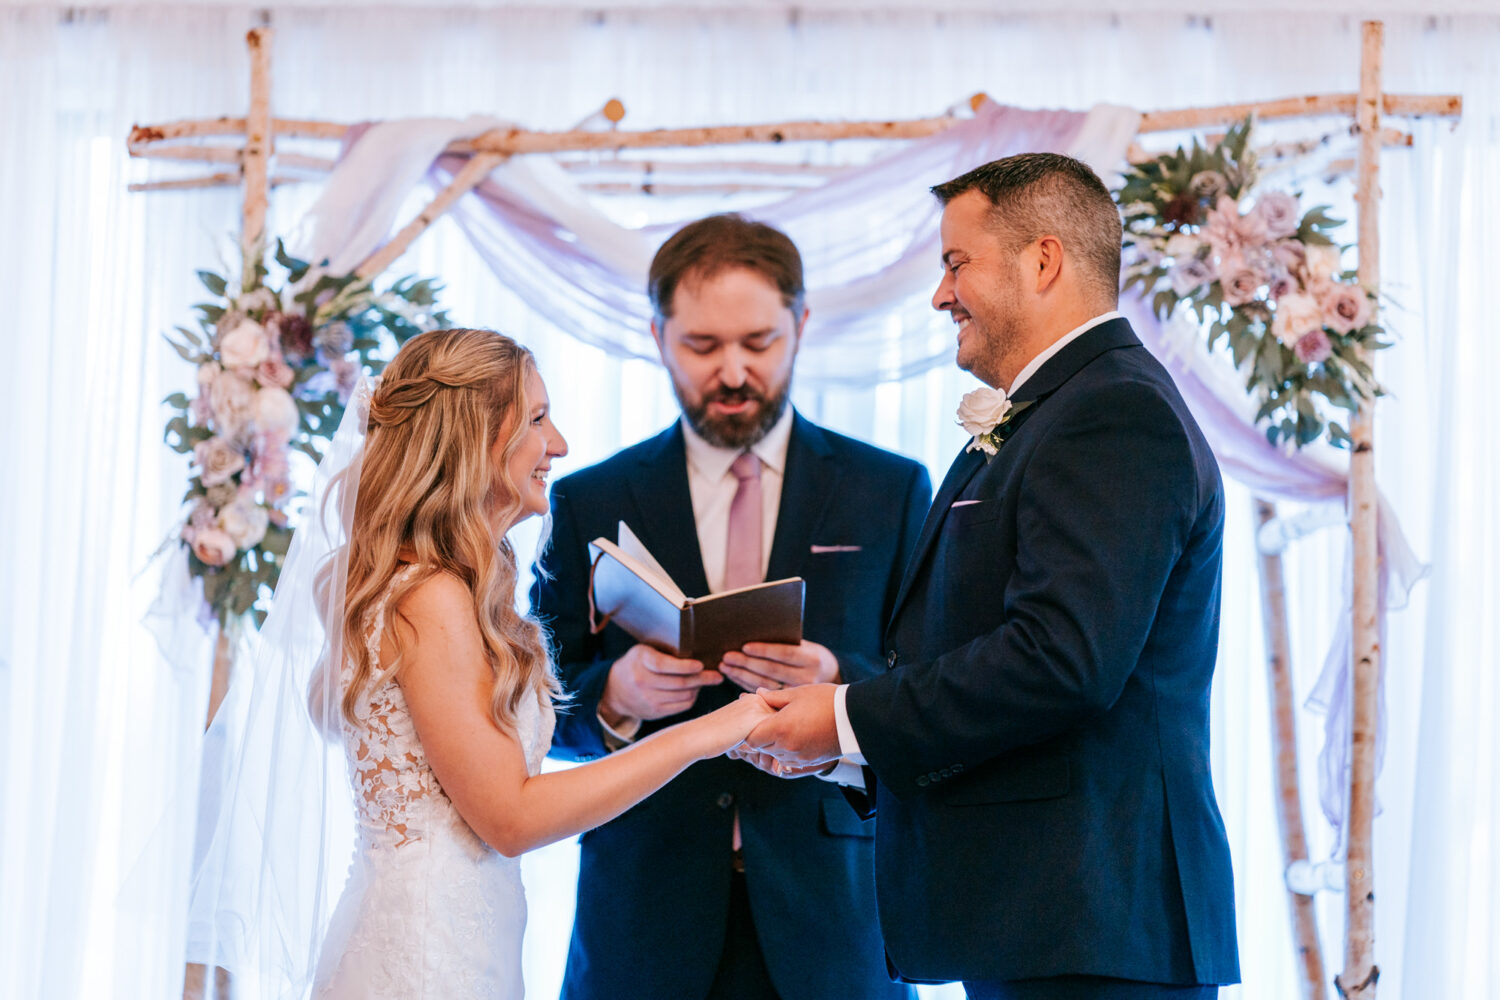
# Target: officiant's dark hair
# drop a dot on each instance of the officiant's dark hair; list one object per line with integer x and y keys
{"x": 705, "y": 248}
{"x": 1036, "y": 194}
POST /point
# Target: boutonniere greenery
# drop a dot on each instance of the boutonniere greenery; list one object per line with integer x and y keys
{"x": 986, "y": 414}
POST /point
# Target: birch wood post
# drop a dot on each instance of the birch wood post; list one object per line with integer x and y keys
{"x": 257, "y": 156}
{"x": 1360, "y": 971}
{"x": 1284, "y": 754}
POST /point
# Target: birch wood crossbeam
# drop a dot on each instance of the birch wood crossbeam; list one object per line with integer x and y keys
{"x": 515, "y": 141}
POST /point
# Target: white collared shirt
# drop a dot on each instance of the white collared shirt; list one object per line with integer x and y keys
{"x": 848, "y": 742}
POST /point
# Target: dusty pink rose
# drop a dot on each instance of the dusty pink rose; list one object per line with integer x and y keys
{"x": 245, "y": 346}
{"x": 203, "y": 515}
{"x": 1290, "y": 255}
{"x": 213, "y": 547}
{"x": 232, "y": 397}
{"x": 276, "y": 372}
{"x": 1241, "y": 285}
{"x": 1277, "y": 210}
{"x": 1346, "y": 308}
{"x": 1312, "y": 347}
{"x": 1281, "y": 283}
{"x": 1296, "y": 315}
{"x": 1191, "y": 274}
{"x": 218, "y": 460}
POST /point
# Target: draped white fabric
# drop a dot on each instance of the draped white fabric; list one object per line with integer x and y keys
{"x": 102, "y": 738}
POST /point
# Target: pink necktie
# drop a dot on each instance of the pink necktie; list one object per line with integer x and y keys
{"x": 742, "y": 547}
{"x": 742, "y": 562}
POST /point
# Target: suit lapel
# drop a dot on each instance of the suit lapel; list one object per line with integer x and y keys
{"x": 963, "y": 469}
{"x": 1047, "y": 379}
{"x": 809, "y": 483}
{"x": 664, "y": 510}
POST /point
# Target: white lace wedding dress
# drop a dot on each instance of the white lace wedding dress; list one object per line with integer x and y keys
{"x": 430, "y": 911}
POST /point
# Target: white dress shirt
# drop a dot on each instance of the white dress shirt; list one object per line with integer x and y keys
{"x": 848, "y": 742}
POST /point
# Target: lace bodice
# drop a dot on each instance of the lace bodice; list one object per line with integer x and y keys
{"x": 396, "y": 795}
{"x": 429, "y": 912}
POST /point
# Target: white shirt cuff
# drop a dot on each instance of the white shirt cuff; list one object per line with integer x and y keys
{"x": 614, "y": 738}
{"x": 846, "y": 773}
{"x": 848, "y": 745}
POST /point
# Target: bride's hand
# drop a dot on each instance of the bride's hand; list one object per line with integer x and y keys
{"x": 727, "y": 727}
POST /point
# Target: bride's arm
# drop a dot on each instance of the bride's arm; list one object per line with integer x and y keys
{"x": 447, "y": 685}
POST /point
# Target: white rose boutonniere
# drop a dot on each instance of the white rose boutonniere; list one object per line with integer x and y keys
{"x": 984, "y": 414}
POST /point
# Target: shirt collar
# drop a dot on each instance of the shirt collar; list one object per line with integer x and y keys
{"x": 713, "y": 462}
{"x": 1059, "y": 344}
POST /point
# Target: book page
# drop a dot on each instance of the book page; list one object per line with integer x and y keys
{"x": 632, "y": 552}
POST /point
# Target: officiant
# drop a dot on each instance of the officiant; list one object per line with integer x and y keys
{"x": 728, "y": 883}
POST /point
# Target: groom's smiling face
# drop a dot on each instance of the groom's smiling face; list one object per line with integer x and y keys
{"x": 981, "y": 289}
{"x": 729, "y": 346}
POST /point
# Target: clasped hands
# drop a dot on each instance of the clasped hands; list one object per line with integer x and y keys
{"x": 798, "y": 681}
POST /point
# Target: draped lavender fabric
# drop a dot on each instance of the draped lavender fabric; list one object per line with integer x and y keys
{"x": 1227, "y": 416}
{"x": 868, "y": 236}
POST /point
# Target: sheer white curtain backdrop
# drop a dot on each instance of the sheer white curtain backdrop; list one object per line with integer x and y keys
{"x": 103, "y": 738}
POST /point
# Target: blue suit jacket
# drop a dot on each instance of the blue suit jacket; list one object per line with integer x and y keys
{"x": 1041, "y": 741}
{"x": 653, "y": 887}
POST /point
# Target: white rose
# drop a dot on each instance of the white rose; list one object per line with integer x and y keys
{"x": 232, "y": 399}
{"x": 244, "y": 522}
{"x": 1323, "y": 259}
{"x": 213, "y": 547}
{"x": 982, "y": 410}
{"x": 276, "y": 412}
{"x": 245, "y": 346}
{"x": 1296, "y": 314}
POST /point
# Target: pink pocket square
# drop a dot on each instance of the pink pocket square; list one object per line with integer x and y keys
{"x": 818, "y": 550}
{"x": 965, "y": 503}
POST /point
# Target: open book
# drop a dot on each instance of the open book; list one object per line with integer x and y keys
{"x": 629, "y": 588}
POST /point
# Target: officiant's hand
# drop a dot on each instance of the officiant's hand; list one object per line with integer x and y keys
{"x": 776, "y": 665}
{"x": 646, "y": 683}
{"x": 803, "y": 732}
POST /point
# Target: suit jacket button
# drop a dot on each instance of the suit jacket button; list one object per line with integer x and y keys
{"x": 725, "y": 800}
{"x": 890, "y": 660}
{"x": 922, "y": 780}
{"x": 945, "y": 773}
{"x": 958, "y": 769}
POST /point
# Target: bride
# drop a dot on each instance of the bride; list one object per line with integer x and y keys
{"x": 443, "y": 693}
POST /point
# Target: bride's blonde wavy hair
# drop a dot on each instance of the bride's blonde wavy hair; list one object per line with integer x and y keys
{"x": 427, "y": 485}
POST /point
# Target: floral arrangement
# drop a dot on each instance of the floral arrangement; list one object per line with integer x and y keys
{"x": 275, "y": 371}
{"x": 1268, "y": 278}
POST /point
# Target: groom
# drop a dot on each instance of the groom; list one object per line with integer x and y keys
{"x": 1038, "y": 749}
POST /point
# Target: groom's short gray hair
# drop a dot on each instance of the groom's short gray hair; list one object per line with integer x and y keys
{"x": 1037, "y": 194}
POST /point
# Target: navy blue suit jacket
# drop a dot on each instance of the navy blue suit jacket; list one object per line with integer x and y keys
{"x": 1041, "y": 741}
{"x": 653, "y": 887}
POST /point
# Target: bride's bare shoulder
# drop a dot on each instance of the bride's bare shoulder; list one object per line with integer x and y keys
{"x": 439, "y": 597}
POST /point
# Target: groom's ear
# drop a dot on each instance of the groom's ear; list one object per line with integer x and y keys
{"x": 1047, "y": 263}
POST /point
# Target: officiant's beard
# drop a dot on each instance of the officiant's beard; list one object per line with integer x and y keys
{"x": 734, "y": 430}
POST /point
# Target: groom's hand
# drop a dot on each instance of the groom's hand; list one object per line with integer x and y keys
{"x": 776, "y": 768}
{"x": 802, "y": 733}
{"x": 777, "y": 665}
